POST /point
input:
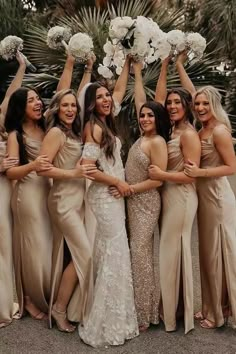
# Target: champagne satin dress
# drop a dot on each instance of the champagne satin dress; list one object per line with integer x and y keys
{"x": 65, "y": 202}
{"x": 179, "y": 206}
{"x": 143, "y": 214}
{"x": 217, "y": 239}
{"x": 32, "y": 239}
{"x": 6, "y": 260}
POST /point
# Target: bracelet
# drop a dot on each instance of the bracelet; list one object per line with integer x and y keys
{"x": 206, "y": 173}
{"x": 87, "y": 70}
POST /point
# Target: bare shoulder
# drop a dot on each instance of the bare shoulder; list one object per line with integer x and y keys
{"x": 93, "y": 134}
{"x": 189, "y": 135}
{"x": 55, "y": 132}
{"x": 12, "y": 137}
{"x": 158, "y": 142}
{"x": 54, "y": 136}
{"x": 221, "y": 130}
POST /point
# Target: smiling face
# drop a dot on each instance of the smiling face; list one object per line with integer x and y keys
{"x": 34, "y": 105}
{"x": 103, "y": 103}
{"x": 147, "y": 121}
{"x": 202, "y": 108}
{"x": 67, "y": 110}
{"x": 175, "y": 107}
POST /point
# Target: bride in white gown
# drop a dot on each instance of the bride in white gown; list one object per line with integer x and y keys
{"x": 112, "y": 319}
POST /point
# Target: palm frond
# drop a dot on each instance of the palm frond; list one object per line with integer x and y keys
{"x": 40, "y": 81}
{"x": 132, "y": 8}
{"x": 38, "y": 51}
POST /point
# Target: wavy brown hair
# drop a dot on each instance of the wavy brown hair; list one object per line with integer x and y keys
{"x": 90, "y": 114}
{"x": 51, "y": 115}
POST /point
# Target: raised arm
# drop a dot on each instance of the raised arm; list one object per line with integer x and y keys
{"x": 15, "y": 84}
{"x": 87, "y": 73}
{"x": 139, "y": 93}
{"x": 121, "y": 83}
{"x": 161, "y": 88}
{"x": 66, "y": 76}
{"x": 184, "y": 78}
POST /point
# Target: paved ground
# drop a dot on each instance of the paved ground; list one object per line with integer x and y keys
{"x": 29, "y": 336}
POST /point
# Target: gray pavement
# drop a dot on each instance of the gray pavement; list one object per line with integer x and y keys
{"x": 29, "y": 336}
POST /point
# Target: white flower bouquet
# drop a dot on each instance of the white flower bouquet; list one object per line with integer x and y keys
{"x": 9, "y": 47}
{"x": 81, "y": 46}
{"x": 193, "y": 43}
{"x": 196, "y": 45}
{"x": 146, "y": 42}
{"x": 58, "y": 37}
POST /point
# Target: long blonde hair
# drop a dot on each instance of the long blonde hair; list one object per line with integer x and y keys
{"x": 214, "y": 98}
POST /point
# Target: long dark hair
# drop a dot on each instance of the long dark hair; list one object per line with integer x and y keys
{"x": 15, "y": 118}
{"x": 52, "y": 118}
{"x": 108, "y": 130}
{"x": 162, "y": 120}
{"x": 186, "y": 100}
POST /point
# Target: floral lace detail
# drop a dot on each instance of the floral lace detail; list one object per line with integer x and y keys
{"x": 113, "y": 318}
{"x": 109, "y": 166}
{"x": 91, "y": 151}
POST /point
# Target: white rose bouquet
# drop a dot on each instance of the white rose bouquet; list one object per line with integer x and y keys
{"x": 9, "y": 47}
{"x": 81, "y": 46}
{"x": 196, "y": 45}
{"x": 177, "y": 41}
{"x": 58, "y": 37}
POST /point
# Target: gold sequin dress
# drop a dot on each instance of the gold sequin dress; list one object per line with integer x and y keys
{"x": 66, "y": 205}
{"x": 32, "y": 238}
{"x": 143, "y": 215}
{"x": 217, "y": 239}
{"x": 6, "y": 260}
{"x": 179, "y": 206}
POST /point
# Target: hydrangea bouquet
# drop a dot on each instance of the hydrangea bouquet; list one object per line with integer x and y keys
{"x": 81, "y": 46}
{"x": 9, "y": 47}
{"x": 58, "y": 37}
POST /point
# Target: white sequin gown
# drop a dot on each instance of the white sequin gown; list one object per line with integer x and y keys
{"x": 113, "y": 318}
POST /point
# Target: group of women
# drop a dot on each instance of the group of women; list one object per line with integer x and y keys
{"x": 68, "y": 239}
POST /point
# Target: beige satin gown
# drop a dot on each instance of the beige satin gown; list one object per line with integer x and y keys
{"x": 217, "y": 239}
{"x": 66, "y": 205}
{"x": 6, "y": 260}
{"x": 179, "y": 206}
{"x": 32, "y": 238}
{"x": 143, "y": 214}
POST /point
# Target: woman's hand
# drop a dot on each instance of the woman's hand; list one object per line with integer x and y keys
{"x": 85, "y": 171}
{"x": 9, "y": 162}
{"x": 20, "y": 58}
{"x": 137, "y": 66}
{"x": 166, "y": 61}
{"x": 123, "y": 188}
{"x": 91, "y": 60}
{"x": 42, "y": 163}
{"x": 191, "y": 169}
{"x": 155, "y": 172}
{"x": 114, "y": 192}
{"x": 181, "y": 58}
